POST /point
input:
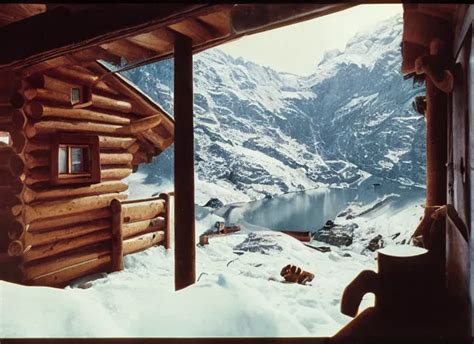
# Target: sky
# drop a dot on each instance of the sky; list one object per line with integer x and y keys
{"x": 300, "y": 47}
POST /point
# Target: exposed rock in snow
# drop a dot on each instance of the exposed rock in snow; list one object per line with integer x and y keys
{"x": 336, "y": 235}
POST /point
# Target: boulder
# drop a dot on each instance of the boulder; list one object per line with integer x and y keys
{"x": 375, "y": 243}
{"x": 214, "y": 203}
{"x": 336, "y": 235}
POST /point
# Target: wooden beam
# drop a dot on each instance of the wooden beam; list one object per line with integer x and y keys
{"x": 196, "y": 29}
{"x": 251, "y": 18}
{"x": 185, "y": 246}
{"x": 128, "y": 49}
{"x": 43, "y": 40}
{"x": 149, "y": 41}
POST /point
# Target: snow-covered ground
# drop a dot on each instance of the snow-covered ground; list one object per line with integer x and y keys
{"x": 239, "y": 290}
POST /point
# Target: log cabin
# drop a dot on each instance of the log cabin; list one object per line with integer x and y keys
{"x": 72, "y": 133}
{"x": 436, "y": 46}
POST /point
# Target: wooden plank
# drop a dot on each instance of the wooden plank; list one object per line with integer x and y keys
{"x": 48, "y": 250}
{"x": 142, "y": 210}
{"x": 185, "y": 245}
{"x": 128, "y": 49}
{"x": 219, "y": 20}
{"x": 61, "y": 277}
{"x": 142, "y": 227}
{"x": 49, "y": 265}
{"x": 67, "y": 207}
{"x": 196, "y": 29}
{"x": 81, "y": 217}
{"x": 50, "y": 237}
{"x": 142, "y": 242}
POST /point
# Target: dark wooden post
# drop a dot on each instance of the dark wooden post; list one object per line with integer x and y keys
{"x": 117, "y": 237}
{"x": 184, "y": 242}
{"x": 436, "y": 144}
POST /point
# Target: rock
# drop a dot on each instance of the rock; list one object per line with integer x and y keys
{"x": 256, "y": 242}
{"x": 347, "y": 255}
{"x": 214, "y": 203}
{"x": 396, "y": 235}
{"x": 323, "y": 249}
{"x": 329, "y": 224}
{"x": 336, "y": 235}
{"x": 375, "y": 243}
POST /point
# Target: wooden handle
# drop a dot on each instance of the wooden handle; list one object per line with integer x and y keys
{"x": 366, "y": 282}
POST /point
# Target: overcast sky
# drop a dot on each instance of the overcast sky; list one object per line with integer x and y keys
{"x": 298, "y": 48}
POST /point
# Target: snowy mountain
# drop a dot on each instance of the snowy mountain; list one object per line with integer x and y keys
{"x": 259, "y": 131}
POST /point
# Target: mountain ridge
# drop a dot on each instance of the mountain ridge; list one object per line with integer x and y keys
{"x": 259, "y": 131}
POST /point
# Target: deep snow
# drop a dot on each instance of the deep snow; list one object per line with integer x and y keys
{"x": 235, "y": 295}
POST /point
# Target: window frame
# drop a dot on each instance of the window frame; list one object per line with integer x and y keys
{"x": 62, "y": 140}
{"x": 85, "y": 96}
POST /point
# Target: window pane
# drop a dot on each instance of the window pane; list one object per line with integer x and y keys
{"x": 5, "y": 137}
{"x": 78, "y": 159}
{"x": 62, "y": 160}
{"x": 75, "y": 95}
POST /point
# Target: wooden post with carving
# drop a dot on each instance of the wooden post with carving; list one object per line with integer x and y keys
{"x": 117, "y": 237}
{"x": 185, "y": 246}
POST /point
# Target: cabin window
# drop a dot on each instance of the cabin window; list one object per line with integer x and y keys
{"x": 75, "y": 159}
{"x": 81, "y": 96}
{"x": 5, "y": 137}
{"x": 76, "y": 95}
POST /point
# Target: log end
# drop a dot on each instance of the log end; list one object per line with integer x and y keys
{"x": 16, "y": 230}
{"x": 17, "y": 100}
{"x": 16, "y": 165}
{"x": 34, "y": 109}
{"x": 15, "y": 248}
{"x": 18, "y": 141}
{"x": 18, "y": 119}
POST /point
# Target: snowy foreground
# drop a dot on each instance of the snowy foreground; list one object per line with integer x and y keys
{"x": 235, "y": 295}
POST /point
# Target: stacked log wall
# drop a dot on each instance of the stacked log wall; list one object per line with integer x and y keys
{"x": 51, "y": 234}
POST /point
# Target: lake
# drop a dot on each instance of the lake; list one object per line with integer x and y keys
{"x": 309, "y": 210}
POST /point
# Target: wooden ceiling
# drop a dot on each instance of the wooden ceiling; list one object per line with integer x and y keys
{"x": 39, "y": 37}
{"x": 10, "y": 13}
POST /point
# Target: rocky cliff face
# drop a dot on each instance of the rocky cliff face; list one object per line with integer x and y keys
{"x": 259, "y": 131}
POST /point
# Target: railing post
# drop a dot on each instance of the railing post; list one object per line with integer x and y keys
{"x": 117, "y": 237}
{"x": 184, "y": 243}
{"x": 166, "y": 198}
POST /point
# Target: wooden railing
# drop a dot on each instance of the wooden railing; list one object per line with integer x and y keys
{"x": 138, "y": 225}
{"x": 97, "y": 243}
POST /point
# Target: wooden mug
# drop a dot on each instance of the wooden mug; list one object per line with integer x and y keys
{"x": 400, "y": 285}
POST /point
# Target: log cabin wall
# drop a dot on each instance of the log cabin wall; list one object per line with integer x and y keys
{"x": 52, "y": 233}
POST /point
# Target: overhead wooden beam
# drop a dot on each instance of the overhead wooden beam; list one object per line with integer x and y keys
{"x": 148, "y": 41}
{"x": 196, "y": 29}
{"x": 185, "y": 246}
{"x": 60, "y": 30}
{"x": 251, "y": 18}
{"x": 128, "y": 49}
